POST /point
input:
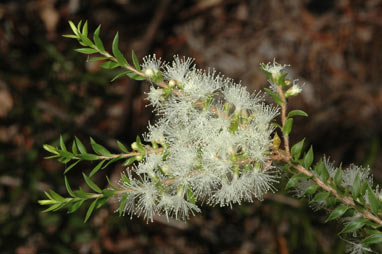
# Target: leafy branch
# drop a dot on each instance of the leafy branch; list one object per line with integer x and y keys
{"x": 348, "y": 193}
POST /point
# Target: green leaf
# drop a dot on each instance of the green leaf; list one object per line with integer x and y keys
{"x": 71, "y": 166}
{"x": 70, "y": 36}
{"x": 119, "y": 75}
{"x": 53, "y": 207}
{"x": 354, "y": 225}
{"x": 297, "y": 112}
{"x": 118, "y": 55}
{"x": 109, "y": 65}
{"x": 129, "y": 161}
{"x": 373, "y": 239}
{"x": 74, "y": 148}
{"x": 296, "y": 149}
{"x": 276, "y": 98}
{"x": 88, "y": 157}
{"x": 356, "y": 188}
{"x": 80, "y": 146}
{"x": 122, "y": 147}
{"x": 91, "y": 184}
{"x": 322, "y": 171}
{"x": 135, "y": 61}
{"x": 294, "y": 180}
{"x": 97, "y": 40}
{"x": 277, "y": 125}
{"x": 112, "y": 161}
{"x": 337, "y": 213}
{"x": 86, "y": 50}
{"x": 123, "y": 204}
{"x": 56, "y": 196}
{"x": 81, "y": 194}
{"x": 62, "y": 144}
{"x": 79, "y": 26}
{"x": 135, "y": 76}
{"x": 112, "y": 185}
{"x": 338, "y": 177}
{"x": 90, "y": 210}
{"x": 190, "y": 196}
{"x": 50, "y": 149}
{"x": 98, "y": 58}
{"x": 281, "y": 79}
{"x": 73, "y": 27}
{"x": 320, "y": 196}
{"x": 288, "y": 126}
{"x": 74, "y": 207}
{"x": 96, "y": 168}
{"x": 85, "y": 29}
{"x": 311, "y": 189}
{"x": 99, "y": 149}
{"x": 308, "y": 159}
{"x": 373, "y": 200}
{"x": 68, "y": 188}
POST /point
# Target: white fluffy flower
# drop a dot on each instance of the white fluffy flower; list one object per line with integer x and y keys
{"x": 274, "y": 68}
{"x": 215, "y": 140}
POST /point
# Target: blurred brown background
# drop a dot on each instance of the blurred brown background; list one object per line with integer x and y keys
{"x": 47, "y": 89}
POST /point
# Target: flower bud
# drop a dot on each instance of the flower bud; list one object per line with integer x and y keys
{"x": 150, "y": 72}
{"x": 293, "y": 91}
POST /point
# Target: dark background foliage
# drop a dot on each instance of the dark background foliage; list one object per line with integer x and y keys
{"x": 47, "y": 89}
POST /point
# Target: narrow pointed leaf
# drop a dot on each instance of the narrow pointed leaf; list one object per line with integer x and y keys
{"x": 308, "y": 159}
{"x": 337, "y": 213}
{"x": 373, "y": 200}
{"x": 74, "y": 207}
{"x": 297, "y": 112}
{"x": 118, "y": 55}
{"x": 354, "y": 225}
{"x": 110, "y": 183}
{"x": 122, "y": 147}
{"x": 68, "y": 188}
{"x": 86, "y": 50}
{"x": 373, "y": 239}
{"x": 112, "y": 161}
{"x": 73, "y": 27}
{"x": 338, "y": 177}
{"x": 276, "y": 98}
{"x": 98, "y": 58}
{"x": 91, "y": 184}
{"x": 311, "y": 189}
{"x": 296, "y": 149}
{"x": 88, "y": 157}
{"x": 85, "y": 29}
{"x": 97, "y": 40}
{"x": 62, "y": 143}
{"x": 90, "y": 210}
{"x": 288, "y": 126}
{"x": 135, "y": 61}
{"x": 120, "y": 75}
{"x": 56, "y": 196}
{"x": 320, "y": 196}
{"x": 70, "y": 36}
{"x": 50, "y": 149}
{"x": 99, "y": 149}
{"x": 96, "y": 168}
{"x": 74, "y": 148}
{"x": 356, "y": 188}
{"x": 109, "y": 65}
{"x": 123, "y": 204}
{"x": 71, "y": 166}
{"x": 80, "y": 146}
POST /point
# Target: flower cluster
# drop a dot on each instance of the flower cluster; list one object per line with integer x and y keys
{"x": 215, "y": 140}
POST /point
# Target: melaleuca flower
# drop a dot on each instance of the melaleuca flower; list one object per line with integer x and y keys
{"x": 215, "y": 138}
{"x": 151, "y": 65}
{"x": 274, "y": 68}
